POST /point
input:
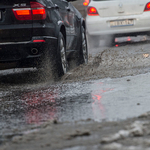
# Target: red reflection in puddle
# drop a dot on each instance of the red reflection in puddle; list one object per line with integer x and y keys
{"x": 40, "y": 106}
{"x": 36, "y": 116}
{"x": 97, "y": 106}
{"x": 128, "y": 39}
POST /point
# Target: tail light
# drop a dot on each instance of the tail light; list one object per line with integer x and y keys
{"x": 91, "y": 11}
{"x": 23, "y": 14}
{"x": 86, "y": 2}
{"x": 35, "y": 41}
{"x": 36, "y": 12}
{"x": 147, "y": 7}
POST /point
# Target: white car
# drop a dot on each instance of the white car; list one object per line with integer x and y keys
{"x": 115, "y": 18}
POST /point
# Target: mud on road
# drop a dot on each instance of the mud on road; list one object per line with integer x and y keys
{"x": 115, "y": 62}
{"x": 132, "y": 134}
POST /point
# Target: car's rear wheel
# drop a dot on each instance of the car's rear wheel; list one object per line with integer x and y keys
{"x": 55, "y": 61}
{"x": 60, "y": 66}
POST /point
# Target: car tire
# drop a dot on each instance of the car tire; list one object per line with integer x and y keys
{"x": 94, "y": 41}
{"x": 60, "y": 66}
{"x": 83, "y": 52}
{"x": 54, "y": 64}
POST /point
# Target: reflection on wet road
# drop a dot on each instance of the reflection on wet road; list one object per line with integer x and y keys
{"x": 61, "y": 102}
{"x": 98, "y": 107}
{"x": 105, "y": 99}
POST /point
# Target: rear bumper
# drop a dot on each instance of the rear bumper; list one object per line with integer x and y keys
{"x": 97, "y": 25}
{"x": 20, "y": 52}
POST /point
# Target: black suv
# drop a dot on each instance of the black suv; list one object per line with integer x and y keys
{"x": 40, "y": 33}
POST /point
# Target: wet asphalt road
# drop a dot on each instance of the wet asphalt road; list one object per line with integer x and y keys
{"x": 26, "y": 102}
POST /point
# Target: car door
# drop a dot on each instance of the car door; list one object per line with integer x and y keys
{"x": 67, "y": 15}
{"x": 61, "y": 6}
{"x": 75, "y": 23}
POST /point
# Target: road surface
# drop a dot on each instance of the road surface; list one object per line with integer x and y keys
{"x": 113, "y": 86}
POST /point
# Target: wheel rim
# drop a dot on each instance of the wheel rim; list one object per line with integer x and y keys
{"x": 84, "y": 48}
{"x": 63, "y": 56}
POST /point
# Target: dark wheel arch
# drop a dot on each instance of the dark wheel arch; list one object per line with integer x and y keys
{"x": 63, "y": 31}
{"x": 61, "y": 28}
{"x": 83, "y": 23}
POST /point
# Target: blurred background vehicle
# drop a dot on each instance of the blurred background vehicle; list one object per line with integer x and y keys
{"x": 108, "y": 19}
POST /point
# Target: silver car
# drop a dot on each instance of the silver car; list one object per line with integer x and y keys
{"x": 107, "y": 19}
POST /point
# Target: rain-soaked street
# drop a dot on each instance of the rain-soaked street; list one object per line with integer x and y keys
{"x": 113, "y": 86}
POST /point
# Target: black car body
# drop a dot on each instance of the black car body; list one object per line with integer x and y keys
{"x": 32, "y": 31}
